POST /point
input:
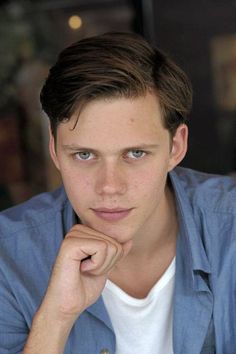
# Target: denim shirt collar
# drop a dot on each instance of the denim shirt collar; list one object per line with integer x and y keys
{"x": 194, "y": 251}
{"x": 193, "y": 299}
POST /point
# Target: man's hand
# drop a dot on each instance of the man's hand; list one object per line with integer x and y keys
{"x": 82, "y": 266}
{"x": 79, "y": 274}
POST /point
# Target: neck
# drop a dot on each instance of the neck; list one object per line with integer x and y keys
{"x": 160, "y": 232}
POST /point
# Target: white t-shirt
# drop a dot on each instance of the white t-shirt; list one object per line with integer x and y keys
{"x": 142, "y": 325}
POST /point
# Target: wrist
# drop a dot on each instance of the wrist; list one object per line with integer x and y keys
{"x": 53, "y": 316}
{"x": 48, "y": 333}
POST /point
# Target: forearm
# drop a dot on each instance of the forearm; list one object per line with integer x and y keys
{"x": 47, "y": 335}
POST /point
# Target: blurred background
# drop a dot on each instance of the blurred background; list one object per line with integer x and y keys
{"x": 199, "y": 35}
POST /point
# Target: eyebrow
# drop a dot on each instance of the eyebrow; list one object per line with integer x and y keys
{"x": 75, "y": 147}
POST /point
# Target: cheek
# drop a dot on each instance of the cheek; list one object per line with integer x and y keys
{"x": 143, "y": 189}
{"x": 149, "y": 185}
{"x": 77, "y": 186}
{"x": 74, "y": 177}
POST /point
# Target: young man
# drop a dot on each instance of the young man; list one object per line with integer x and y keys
{"x": 133, "y": 254}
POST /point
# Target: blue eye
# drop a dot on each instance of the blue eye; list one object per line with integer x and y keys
{"x": 136, "y": 154}
{"x": 84, "y": 155}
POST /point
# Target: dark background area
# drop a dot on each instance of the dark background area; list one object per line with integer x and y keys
{"x": 199, "y": 35}
{"x": 187, "y": 30}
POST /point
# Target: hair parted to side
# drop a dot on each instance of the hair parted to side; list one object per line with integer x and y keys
{"x": 115, "y": 65}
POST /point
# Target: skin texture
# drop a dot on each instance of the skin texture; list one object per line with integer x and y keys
{"x": 114, "y": 164}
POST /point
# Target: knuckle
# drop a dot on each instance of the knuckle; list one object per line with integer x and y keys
{"x": 103, "y": 245}
{"x": 76, "y": 227}
{"x": 115, "y": 249}
{"x": 118, "y": 248}
{"x": 66, "y": 243}
{"x": 66, "y": 246}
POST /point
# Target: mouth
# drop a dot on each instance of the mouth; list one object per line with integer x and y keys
{"x": 112, "y": 214}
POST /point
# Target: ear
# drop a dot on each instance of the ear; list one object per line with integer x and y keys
{"x": 52, "y": 148}
{"x": 179, "y": 146}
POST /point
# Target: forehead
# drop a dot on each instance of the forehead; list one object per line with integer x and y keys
{"x": 117, "y": 119}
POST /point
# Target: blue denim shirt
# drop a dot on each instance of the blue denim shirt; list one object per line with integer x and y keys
{"x": 205, "y": 284}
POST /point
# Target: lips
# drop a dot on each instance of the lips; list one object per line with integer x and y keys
{"x": 111, "y": 214}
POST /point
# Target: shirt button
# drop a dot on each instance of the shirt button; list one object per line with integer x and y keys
{"x": 105, "y": 351}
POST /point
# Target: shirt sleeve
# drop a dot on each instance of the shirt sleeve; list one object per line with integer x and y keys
{"x": 13, "y": 327}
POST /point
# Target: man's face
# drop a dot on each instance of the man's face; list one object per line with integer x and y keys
{"x": 114, "y": 164}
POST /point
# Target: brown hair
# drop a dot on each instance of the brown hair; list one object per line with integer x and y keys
{"x": 115, "y": 65}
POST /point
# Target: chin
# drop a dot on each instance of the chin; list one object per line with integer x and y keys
{"x": 120, "y": 233}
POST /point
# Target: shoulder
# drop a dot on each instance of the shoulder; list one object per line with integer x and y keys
{"x": 34, "y": 213}
{"x": 215, "y": 193}
{"x": 30, "y": 236}
{"x": 208, "y": 210}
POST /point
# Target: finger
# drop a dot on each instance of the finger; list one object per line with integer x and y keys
{"x": 122, "y": 252}
{"x": 102, "y": 261}
{"x": 114, "y": 253}
{"x": 98, "y": 265}
{"x": 93, "y": 233}
{"x": 96, "y": 256}
{"x": 114, "y": 249}
{"x": 78, "y": 249}
{"x": 79, "y": 229}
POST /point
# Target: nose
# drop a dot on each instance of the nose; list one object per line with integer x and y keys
{"x": 110, "y": 179}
